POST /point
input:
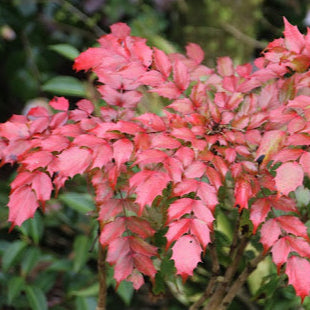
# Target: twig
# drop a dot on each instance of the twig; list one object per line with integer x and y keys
{"x": 102, "y": 296}
{"x": 81, "y": 15}
{"x": 242, "y": 36}
{"x": 233, "y": 290}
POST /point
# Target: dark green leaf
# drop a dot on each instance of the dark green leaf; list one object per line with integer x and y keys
{"x": 15, "y": 286}
{"x": 12, "y": 254}
{"x": 125, "y": 291}
{"x": 36, "y": 298}
{"x": 85, "y": 303}
{"x": 81, "y": 247}
{"x": 82, "y": 203}
{"x": 65, "y": 86}
{"x": 30, "y": 259}
{"x": 65, "y": 50}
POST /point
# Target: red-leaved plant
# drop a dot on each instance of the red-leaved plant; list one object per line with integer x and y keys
{"x": 239, "y": 130}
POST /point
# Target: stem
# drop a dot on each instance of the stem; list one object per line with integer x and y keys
{"x": 221, "y": 289}
{"x": 102, "y": 297}
{"x": 233, "y": 290}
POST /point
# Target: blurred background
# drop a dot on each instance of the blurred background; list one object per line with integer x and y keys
{"x": 49, "y": 263}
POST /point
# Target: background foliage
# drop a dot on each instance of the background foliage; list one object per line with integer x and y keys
{"x": 50, "y": 262}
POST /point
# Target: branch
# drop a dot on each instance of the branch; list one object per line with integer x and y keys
{"x": 233, "y": 290}
{"x": 102, "y": 296}
{"x": 242, "y": 36}
{"x": 81, "y": 15}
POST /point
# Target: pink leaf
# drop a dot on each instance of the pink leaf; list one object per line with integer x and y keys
{"x": 289, "y": 176}
{"x": 147, "y": 185}
{"x": 120, "y": 30}
{"x": 150, "y": 157}
{"x": 297, "y": 270}
{"x": 292, "y": 225}
{"x": 195, "y": 52}
{"x": 270, "y": 144}
{"x": 59, "y": 103}
{"x": 42, "y": 185}
{"x": 294, "y": 40}
{"x": 180, "y": 75}
{"x": 122, "y": 150}
{"x": 23, "y": 204}
{"x": 280, "y": 251}
{"x": 112, "y": 231}
{"x": 162, "y": 62}
{"x": 270, "y": 233}
{"x": 177, "y": 229}
{"x": 225, "y": 66}
{"x": 259, "y": 210}
{"x": 38, "y": 159}
{"x": 73, "y": 161}
{"x": 186, "y": 255}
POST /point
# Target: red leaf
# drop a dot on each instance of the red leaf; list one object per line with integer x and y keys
{"x": 122, "y": 150}
{"x": 23, "y": 204}
{"x": 147, "y": 185}
{"x": 297, "y": 270}
{"x": 207, "y": 194}
{"x": 177, "y": 229}
{"x": 270, "y": 144}
{"x": 280, "y": 251}
{"x": 195, "y": 52}
{"x": 140, "y": 227}
{"x": 225, "y": 66}
{"x": 150, "y": 157}
{"x": 164, "y": 142}
{"x": 112, "y": 231}
{"x": 243, "y": 192}
{"x": 109, "y": 208}
{"x": 270, "y": 233}
{"x": 59, "y": 103}
{"x": 292, "y": 225}
{"x": 42, "y": 185}
{"x": 152, "y": 121}
{"x": 305, "y": 162}
{"x": 195, "y": 170}
{"x": 168, "y": 90}
{"x": 162, "y": 62}
{"x": 85, "y": 105}
{"x": 289, "y": 176}
{"x": 259, "y": 210}
{"x": 180, "y": 75}
{"x": 294, "y": 40}
{"x": 102, "y": 155}
{"x": 120, "y": 30}
{"x": 186, "y": 254}
{"x": 73, "y": 161}
{"x": 37, "y": 159}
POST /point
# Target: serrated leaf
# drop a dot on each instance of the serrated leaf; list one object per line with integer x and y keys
{"x": 65, "y": 86}
{"x": 15, "y": 285}
{"x": 65, "y": 50}
{"x": 186, "y": 255}
{"x": 80, "y": 202}
{"x": 289, "y": 176}
{"x": 36, "y": 298}
{"x": 12, "y": 254}
{"x": 297, "y": 269}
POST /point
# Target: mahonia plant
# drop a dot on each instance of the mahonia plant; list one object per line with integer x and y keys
{"x": 163, "y": 172}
